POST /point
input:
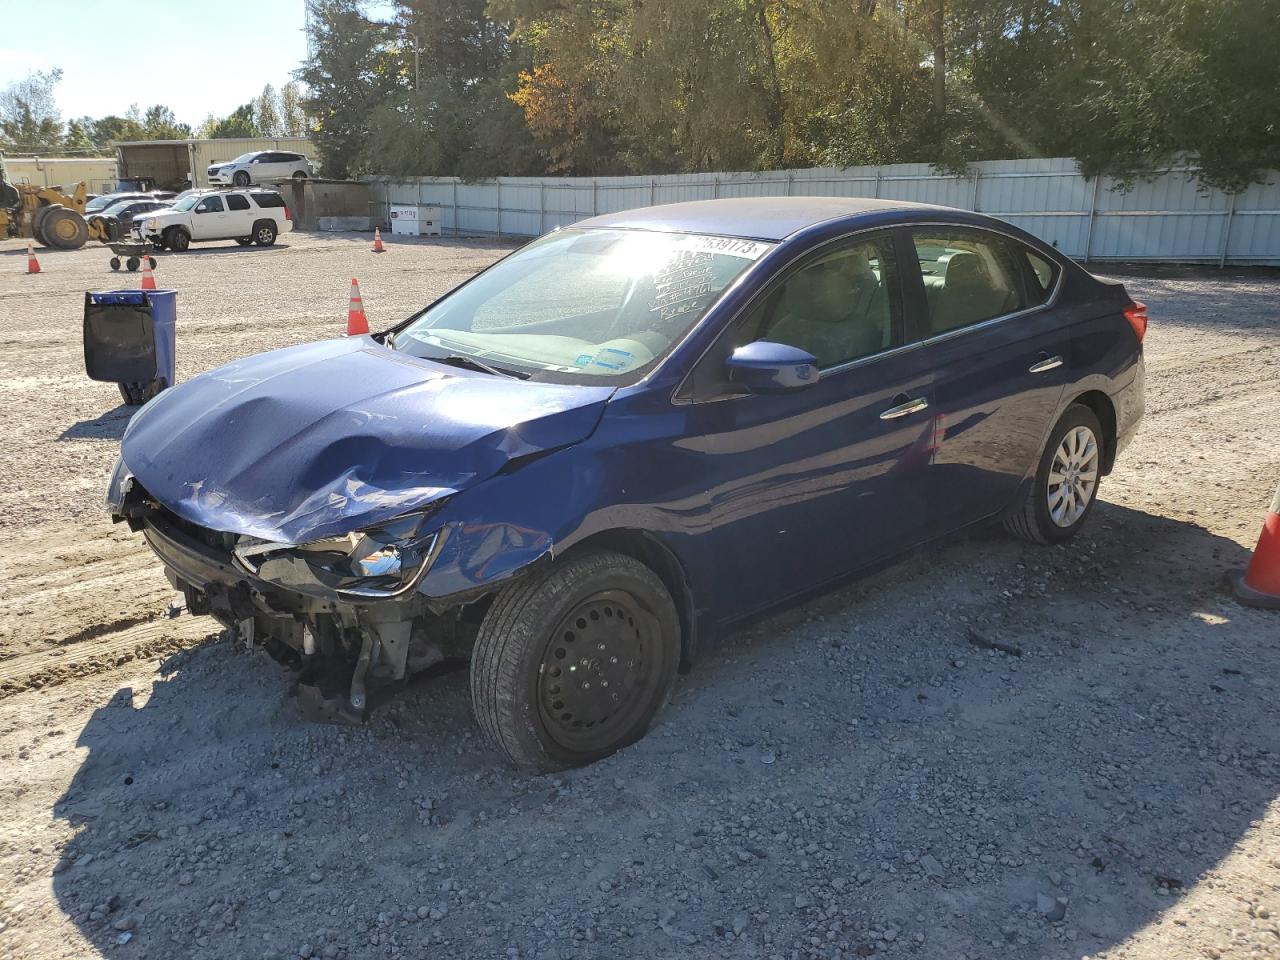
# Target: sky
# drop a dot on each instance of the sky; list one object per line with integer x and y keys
{"x": 198, "y": 58}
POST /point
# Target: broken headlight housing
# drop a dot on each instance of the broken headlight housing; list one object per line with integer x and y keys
{"x": 381, "y": 562}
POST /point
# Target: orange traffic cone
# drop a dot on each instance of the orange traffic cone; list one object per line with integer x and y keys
{"x": 377, "y": 241}
{"x": 148, "y": 278}
{"x": 357, "y": 322}
{"x": 1259, "y": 586}
{"x": 33, "y": 265}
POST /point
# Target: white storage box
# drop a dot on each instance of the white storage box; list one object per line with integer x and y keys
{"x": 410, "y": 221}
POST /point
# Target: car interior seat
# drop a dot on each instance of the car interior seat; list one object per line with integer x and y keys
{"x": 968, "y": 295}
{"x": 835, "y": 309}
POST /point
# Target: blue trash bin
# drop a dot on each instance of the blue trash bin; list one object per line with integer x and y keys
{"x": 130, "y": 339}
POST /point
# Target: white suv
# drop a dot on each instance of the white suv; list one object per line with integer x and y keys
{"x": 261, "y": 166}
{"x": 245, "y": 216}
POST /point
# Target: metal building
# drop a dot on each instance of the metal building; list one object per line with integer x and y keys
{"x": 181, "y": 163}
{"x": 98, "y": 173}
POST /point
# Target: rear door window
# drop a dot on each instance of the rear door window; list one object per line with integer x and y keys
{"x": 970, "y": 276}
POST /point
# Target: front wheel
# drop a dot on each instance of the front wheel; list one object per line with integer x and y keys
{"x": 573, "y": 664}
{"x": 1065, "y": 488}
{"x": 241, "y": 179}
{"x": 177, "y": 239}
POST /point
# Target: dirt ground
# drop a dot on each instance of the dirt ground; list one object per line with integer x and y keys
{"x": 856, "y": 778}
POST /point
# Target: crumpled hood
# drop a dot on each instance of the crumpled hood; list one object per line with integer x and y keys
{"x": 325, "y": 438}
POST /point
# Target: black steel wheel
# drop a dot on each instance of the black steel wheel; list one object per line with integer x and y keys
{"x": 115, "y": 263}
{"x": 132, "y": 264}
{"x": 245, "y": 241}
{"x": 151, "y": 262}
{"x": 574, "y": 664}
{"x": 598, "y": 672}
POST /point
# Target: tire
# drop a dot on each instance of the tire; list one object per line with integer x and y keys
{"x": 1043, "y": 515}
{"x": 245, "y": 241}
{"x": 37, "y": 223}
{"x": 132, "y": 264}
{"x": 299, "y": 175}
{"x": 524, "y": 704}
{"x": 240, "y": 178}
{"x": 64, "y": 229}
{"x": 151, "y": 262}
{"x": 264, "y": 233}
{"x": 177, "y": 239}
{"x": 136, "y": 394}
{"x": 115, "y": 263}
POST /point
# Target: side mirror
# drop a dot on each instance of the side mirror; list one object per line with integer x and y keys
{"x": 767, "y": 367}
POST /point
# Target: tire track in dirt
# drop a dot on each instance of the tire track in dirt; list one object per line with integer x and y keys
{"x": 97, "y": 654}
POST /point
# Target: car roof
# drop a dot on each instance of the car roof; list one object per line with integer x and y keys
{"x": 763, "y": 218}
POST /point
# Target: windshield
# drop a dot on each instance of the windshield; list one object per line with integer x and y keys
{"x": 186, "y": 203}
{"x": 101, "y": 203}
{"x": 583, "y": 304}
{"x": 246, "y": 157}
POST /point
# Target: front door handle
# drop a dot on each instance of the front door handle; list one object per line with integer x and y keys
{"x": 905, "y": 409}
{"x": 1044, "y": 364}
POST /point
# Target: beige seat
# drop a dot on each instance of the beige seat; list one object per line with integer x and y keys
{"x": 834, "y": 309}
{"x": 969, "y": 294}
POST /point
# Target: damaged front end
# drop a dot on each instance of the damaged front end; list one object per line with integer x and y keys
{"x": 343, "y": 611}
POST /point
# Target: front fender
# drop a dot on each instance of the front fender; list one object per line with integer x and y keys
{"x": 533, "y": 511}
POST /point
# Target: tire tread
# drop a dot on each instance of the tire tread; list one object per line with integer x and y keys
{"x": 518, "y": 613}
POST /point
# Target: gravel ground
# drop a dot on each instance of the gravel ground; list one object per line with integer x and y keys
{"x": 864, "y": 776}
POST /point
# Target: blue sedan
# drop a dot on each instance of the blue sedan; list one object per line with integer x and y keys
{"x": 582, "y": 465}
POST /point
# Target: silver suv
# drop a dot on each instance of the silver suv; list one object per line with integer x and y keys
{"x": 260, "y": 166}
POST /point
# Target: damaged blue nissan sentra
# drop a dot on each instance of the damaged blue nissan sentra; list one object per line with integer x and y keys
{"x": 582, "y": 464}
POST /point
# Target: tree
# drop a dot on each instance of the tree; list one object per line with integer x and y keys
{"x": 266, "y": 111}
{"x": 79, "y": 136}
{"x": 29, "y": 117}
{"x": 159, "y": 123}
{"x": 240, "y": 123}
{"x": 292, "y": 117}
{"x": 349, "y": 76}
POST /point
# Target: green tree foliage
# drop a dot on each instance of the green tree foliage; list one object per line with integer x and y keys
{"x": 29, "y": 118}
{"x": 241, "y": 122}
{"x": 293, "y": 120}
{"x": 352, "y": 75}
{"x": 266, "y": 111}
{"x": 378, "y": 107}
{"x": 159, "y": 123}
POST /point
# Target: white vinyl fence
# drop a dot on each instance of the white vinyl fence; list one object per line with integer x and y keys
{"x": 1169, "y": 218}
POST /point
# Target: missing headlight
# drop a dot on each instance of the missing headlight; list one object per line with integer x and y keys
{"x": 381, "y": 562}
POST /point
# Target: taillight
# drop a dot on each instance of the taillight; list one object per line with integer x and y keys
{"x": 1136, "y": 314}
{"x": 1144, "y": 322}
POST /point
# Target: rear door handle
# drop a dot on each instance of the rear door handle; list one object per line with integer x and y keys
{"x": 905, "y": 409}
{"x": 1045, "y": 363}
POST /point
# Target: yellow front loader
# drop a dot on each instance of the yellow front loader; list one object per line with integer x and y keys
{"x": 46, "y": 214}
